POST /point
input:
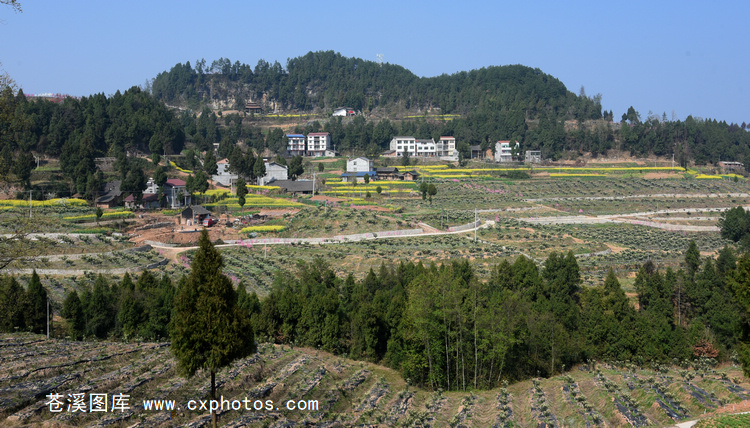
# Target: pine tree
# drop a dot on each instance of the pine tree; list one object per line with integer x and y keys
{"x": 101, "y": 310}
{"x": 259, "y": 168}
{"x": 241, "y": 192}
{"x": 36, "y": 295}
{"x": 692, "y": 258}
{"x": 209, "y": 330}
{"x": 12, "y": 302}
{"x": 73, "y": 314}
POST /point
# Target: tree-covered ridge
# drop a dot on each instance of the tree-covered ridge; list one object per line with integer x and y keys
{"x": 79, "y": 130}
{"x": 325, "y": 80}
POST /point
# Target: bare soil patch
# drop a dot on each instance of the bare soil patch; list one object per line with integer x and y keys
{"x": 372, "y": 208}
{"x": 174, "y": 233}
{"x": 326, "y": 198}
{"x": 650, "y": 175}
{"x": 278, "y": 212}
{"x": 615, "y": 248}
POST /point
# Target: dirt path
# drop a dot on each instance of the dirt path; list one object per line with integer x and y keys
{"x": 631, "y": 218}
{"x": 173, "y": 251}
{"x": 650, "y": 195}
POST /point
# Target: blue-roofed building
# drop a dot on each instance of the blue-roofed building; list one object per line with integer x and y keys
{"x": 296, "y": 144}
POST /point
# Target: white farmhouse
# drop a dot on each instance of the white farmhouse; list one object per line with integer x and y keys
{"x": 274, "y": 171}
{"x": 343, "y": 111}
{"x": 504, "y": 151}
{"x": 223, "y": 176}
{"x": 359, "y": 165}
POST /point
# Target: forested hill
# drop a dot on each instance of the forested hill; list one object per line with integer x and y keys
{"x": 325, "y": 80}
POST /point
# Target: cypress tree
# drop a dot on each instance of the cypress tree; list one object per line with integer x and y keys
{"x": 36, "y": 319}
{"x": 12, "y": 299}
{"x": 209, "y": 330}
{"x": 73, "y": 313}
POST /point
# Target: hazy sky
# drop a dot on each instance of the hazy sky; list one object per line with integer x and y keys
{"x": 678, "y": 57}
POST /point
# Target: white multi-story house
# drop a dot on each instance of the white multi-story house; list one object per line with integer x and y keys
{"x": 446, "y": 147}
{"x": 296, "y": 144}
{"x": 318, "y": 143}
{"x": 414, "y": 147}
{"x": 426, "y": 148}
{"x": 176, "y": 193}
{"x": 274, "y": 171}
{"x": 403, "y": 145}
{"x": 359, "y": 165}
{"x": 504, "y": 151}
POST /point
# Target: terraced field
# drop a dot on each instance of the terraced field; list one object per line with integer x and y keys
{"x": 333, "y": 391}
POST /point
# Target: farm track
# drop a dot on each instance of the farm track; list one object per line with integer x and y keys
{"x": 632, "y": 218}
{"x": 643, "y": 196}
{"x": 348, "y": 393}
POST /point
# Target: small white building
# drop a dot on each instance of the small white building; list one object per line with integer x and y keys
{"x": 151, "y": 187}
{"x": 223, "y": 176}
{"x": 533, "y": 156}
{"x": 343, "y": 111}
{"x": 296, "y": 144}
{"x": 318, "y": 143}
{"x": 360, "y": 164}
{"x": 504, "y": 151}
{"x": 274, "y": 171}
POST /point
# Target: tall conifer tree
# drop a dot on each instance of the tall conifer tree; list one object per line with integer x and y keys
{"x": 209, "y": 330}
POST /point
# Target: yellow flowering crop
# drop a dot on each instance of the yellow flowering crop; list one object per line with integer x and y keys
{"x": 249, "y": 229}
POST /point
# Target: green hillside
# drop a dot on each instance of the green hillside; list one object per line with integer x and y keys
{"x": 326, "y": 80}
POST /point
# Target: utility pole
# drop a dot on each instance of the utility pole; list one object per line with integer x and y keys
{"x": 313, "y": 174}
{"x": 48, "y": 318}
{"x": 30, "y": 203}
{"x": 475, "y": 225}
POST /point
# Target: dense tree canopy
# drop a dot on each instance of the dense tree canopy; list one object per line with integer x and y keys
{"x": 444, "y": 328}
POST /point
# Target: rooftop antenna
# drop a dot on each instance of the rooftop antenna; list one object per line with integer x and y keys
{"x": 380, "y": 59}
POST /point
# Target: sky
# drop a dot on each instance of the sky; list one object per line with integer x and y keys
{"x": 675, "y": 57}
